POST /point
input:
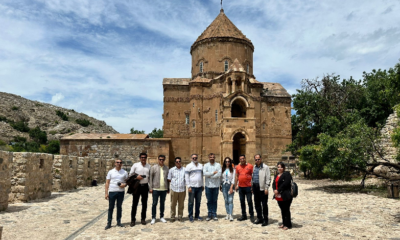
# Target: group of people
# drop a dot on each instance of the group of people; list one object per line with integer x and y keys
{"x": 159, "y": 180}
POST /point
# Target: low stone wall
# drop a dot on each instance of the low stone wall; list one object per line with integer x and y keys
{"x": 100, "y": 167}
{"x": 85, "y": 171}
{"x": 5, "y": 178}
{"x": 64, "y": 173}
{"x": 31, "y": 176}
{"x": 124, "y": 149}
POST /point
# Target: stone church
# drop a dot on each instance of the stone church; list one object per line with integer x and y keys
{"x": 222, "y": 108}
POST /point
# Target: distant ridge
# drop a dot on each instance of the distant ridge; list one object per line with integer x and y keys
{"x": 14, "y": 108}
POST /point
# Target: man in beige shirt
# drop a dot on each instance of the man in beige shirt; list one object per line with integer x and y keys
{"x": 159, "y": 187}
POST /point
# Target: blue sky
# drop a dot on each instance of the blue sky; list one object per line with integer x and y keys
{"x": 107, "y": 58}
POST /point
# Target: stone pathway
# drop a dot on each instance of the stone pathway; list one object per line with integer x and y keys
{"x": 316, "y": 214}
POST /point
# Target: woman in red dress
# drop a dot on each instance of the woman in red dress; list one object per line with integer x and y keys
{"x": 282, "y": 187}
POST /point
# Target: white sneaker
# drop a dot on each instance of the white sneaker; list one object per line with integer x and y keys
{"x": 163, "y": 220}
{"x": 227, "y": 217}
{"x": 208, "y": 218}
{"x": 230, "y": 217}
{"x": 153, "y": 221}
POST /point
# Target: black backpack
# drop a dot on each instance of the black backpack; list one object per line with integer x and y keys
{"x": 294, "y": 190}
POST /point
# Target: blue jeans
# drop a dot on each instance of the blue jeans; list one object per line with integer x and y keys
{"x": 195, "y": 194}
{"x": 212, "y": 201}
{"x": 112, "y": 197}
{"x": 162, "y": 195}
{"x": 245, "y": 192}
{"x": 228, "y": 198}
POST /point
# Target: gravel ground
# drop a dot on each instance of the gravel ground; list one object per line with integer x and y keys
{"x": 317, "y": 213}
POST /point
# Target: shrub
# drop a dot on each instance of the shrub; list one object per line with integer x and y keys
{"x": 53, "y": 147}
{"x": 62, "y": 115}
{"x": 83, "y": 122}
{"x": 38, "y": 135}
{"x": 53, "y": 132}
{"x": 2, "y": 143}
{"x": 20, "y": 126}
{"x": 3, "y": 119}
{"x": 19, "y": 139}
{"x": 14, "y": 108}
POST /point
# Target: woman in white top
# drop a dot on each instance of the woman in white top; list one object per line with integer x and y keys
{"x": 227, "y": 182}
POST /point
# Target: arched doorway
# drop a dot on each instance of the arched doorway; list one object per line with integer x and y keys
{"x": 238, "y": 108}
{"x": 239, "y": 147}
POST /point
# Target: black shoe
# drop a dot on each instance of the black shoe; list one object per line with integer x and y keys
{"x": 258, "y": 221}
{"x": 120, "y": 225}
{"x": 133, "y": 223}
{"x": 143, "y": 222}
{"x": 107, "y": 227}
{"x": 265, "y": 223}
{"x": 242, "y": 218}
{"x": 251, "y": 218}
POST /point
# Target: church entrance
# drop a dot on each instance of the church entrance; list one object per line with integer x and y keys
{"x": 239, "y": 147}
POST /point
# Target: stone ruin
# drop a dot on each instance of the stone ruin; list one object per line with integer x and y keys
{"x": 26, "y": 176}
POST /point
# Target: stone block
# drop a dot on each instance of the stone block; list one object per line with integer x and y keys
{"x": 5, "y": 179}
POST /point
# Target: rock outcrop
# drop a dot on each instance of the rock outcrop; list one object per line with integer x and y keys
{"x": 16, "y": 108}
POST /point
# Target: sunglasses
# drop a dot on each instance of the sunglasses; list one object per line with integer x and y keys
{"x": 161, "y": 159}
{"x": 194, "y": 158}
{"x": 143, "y": 157}
{"x": 178, "y": 161}
{"x": 257, "y": 159}
{"x": 119, "y": 162}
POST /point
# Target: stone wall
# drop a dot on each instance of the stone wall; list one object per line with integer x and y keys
{"x": 5, "y": 178}
{"x": 85, "y": 171}
{"x": 100, "y": 170}
{"x": 31, "y": 176}
{"x": 64, "y": 173}
{"x": 386, "y": 143}
{"x": 124, "y": 149}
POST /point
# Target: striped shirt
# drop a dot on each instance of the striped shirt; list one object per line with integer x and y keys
{"x": 194, "y": 175}
{"x": 256, "y": 175}
{"x": 212, "y": 180}
{"x": 177, "y": 177}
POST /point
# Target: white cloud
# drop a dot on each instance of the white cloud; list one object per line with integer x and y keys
{"x": 57, "y": 98}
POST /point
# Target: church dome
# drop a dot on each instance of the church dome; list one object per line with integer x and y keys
{"x": 222, "y": 28}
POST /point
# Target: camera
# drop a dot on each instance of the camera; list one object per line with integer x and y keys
{"x": 119, "y": 183}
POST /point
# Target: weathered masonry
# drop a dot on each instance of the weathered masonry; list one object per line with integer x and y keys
{"x": 222, "y": 108}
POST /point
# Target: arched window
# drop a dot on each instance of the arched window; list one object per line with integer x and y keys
{"x": 216, "y": 115}
{"x": 201, "y": 67}
{"x": 238, "y": 108}
{"x": 226, "y": 65}
{"x": 187, "y": 119}
{"x": 194, "y": 124}
{"x": 248, "y": 69}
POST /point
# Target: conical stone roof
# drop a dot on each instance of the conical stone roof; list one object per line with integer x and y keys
{"x": 222, "y": 27}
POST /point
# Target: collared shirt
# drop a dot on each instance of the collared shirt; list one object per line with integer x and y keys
{"x": 256, "y": 176}
{"x": 227, "y": 177}
{"x": 194, "y": 175}
{"x": 244, "y": 173}
{"x": 162, "y": 182}
{"x": 212, "y": 180}
{"x": 177, "y": 177}
{"x": 138, "y": 168}
{"x": 115, "y": 177}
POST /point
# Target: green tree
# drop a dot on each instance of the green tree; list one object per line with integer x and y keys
{"x": 38, "y": 135}
{"x": 156, "y": 133}
{"x": 20, "y": 126}
{"x": 53, "y": 147}
{"x": 134, "y": 131}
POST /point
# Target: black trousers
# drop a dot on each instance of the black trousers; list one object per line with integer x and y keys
{"x": 260, "y": 202}
{"x": 143, "y": 191}
{"x": 285, "y": 211}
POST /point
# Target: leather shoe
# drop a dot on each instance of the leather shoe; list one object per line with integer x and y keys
{"x": 258, "y": 221}
{"x": 133, "y": 223}
{"x": 265, "y": 223}
{"x": 120, "y": 225}
{"x": 251, "y": 218}
{"x": 242, "y": 218}
{"x": 143, "y": 222}
{"x": 107, "y": 227}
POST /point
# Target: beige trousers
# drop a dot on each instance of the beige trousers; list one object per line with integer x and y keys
{"x": 177, "y": 197}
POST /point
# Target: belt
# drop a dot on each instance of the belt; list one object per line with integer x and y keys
{"x": 145, "y": 184}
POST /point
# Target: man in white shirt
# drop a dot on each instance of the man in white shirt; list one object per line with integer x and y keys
{"x": 115, "y": 183}
{"x": 194, "y": 182}
{"x": 212, "y": 175}
{"x": 176, "y": 177}
{"x": 141, "y": 168}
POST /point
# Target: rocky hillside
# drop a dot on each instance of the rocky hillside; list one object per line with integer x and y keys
{"x": 18, "y": 110}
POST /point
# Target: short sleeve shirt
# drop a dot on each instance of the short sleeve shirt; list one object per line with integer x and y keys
{"x": 244, "y": 174}
{"x": 115, "y": 177}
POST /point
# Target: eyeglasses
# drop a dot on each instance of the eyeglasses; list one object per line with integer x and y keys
{"x": 195, "y": 158}
{"x": 118, "y": 162}
{"x": 161, "y": 159}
